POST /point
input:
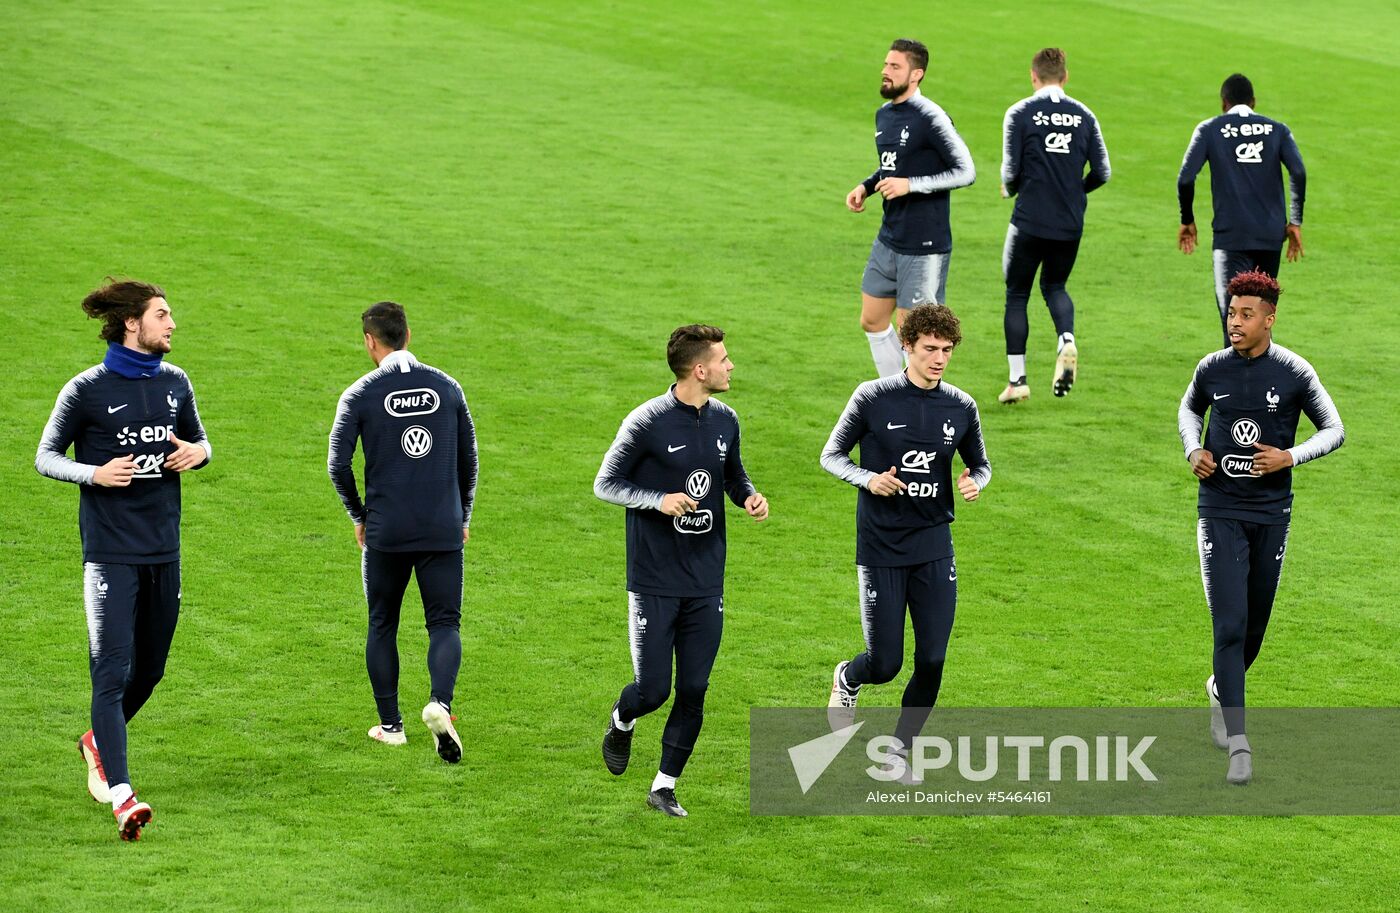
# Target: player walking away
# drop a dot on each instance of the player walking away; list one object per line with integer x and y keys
{"x": 908, "y": 427}
{"x": 922, "y": 158}
{"x": 674, "y": 459}
{"x": 420, "y": 481}
{"x": 134, "y": 428}
{"x": 1255, "y": 391}
{"x": 1047, "y": 139}
{"x": 1244, "y": 150}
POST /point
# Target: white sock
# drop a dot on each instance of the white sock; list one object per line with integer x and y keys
{"x": 845, "y": 682}
{"x": 618, "y": 724}
{"x": 1237, "y": 743}
{"x": 120, "y": 793}
{"x": 887, "y": 352}
{"x": 1065, "y": 339}
{"x": 662, "y": 782}
{"x": 1018, "y": 366}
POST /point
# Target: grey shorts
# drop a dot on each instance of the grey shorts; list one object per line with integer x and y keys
{"x": 910, "y": 279}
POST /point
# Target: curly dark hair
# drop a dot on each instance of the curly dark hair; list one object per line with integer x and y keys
{"x": 1255, "y": 283}
{"x": 118, "y": 301}
{"x": 930, "y": 320}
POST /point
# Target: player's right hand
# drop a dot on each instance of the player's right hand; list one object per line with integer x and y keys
{"x": 116, "y": 473}
{"x": 360, "y": 535}
{"x": 855, "y": 200}
{"x": 1186, "y": 238}
{"x": 885, "y": 483}
{"x": 678, "y": 504}
{"x": 1202, "y": 463}
{"x": 1295, "y": 242}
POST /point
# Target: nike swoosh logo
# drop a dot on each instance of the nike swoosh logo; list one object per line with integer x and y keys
{"x": 670, "y": 449}
{"x": 111, "y": 409}
{"x": 1220, "y": 395}
{"x": 878, "y": 132}
{"x": 890, "y": 426}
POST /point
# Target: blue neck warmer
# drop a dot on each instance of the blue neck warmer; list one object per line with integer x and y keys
{"x": 131, "y": 363}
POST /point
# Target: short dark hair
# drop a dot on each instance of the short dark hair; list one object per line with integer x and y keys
{"x": 386, "y": 322}
{"x": 916, "y": 51}
{"x": 117, "y": 301}
{"x": 1049, "y": 65}
{"x": 1257, "y": 284}
{"x": 1237, "y": 90}
{"x": 930, "y": 319}
{"x": 688, "y": 346}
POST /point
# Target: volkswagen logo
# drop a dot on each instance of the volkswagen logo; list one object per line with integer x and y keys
{"x": 416, "y": 441}
{"x": 1245, "y": 431}
{"x": 698, "y": 485}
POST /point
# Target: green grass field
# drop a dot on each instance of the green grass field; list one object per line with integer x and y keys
{"x": 550, "y": 189}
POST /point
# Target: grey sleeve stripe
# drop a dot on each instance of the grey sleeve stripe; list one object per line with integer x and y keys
{"x": 1320, "y": 410}
{"x": 611, "y": 484}
{"x": 836, "y": 455}
{"x": 1189, "y": 424}
{"x": 963, "y": 172}
{"x": 341, "y": 452}
{"x": 52, "y": 458}
{"x": 1008, "y": 123}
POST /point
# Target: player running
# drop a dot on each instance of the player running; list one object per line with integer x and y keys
{"x": 922, "y": 158}
{"x": 1255, "y": 391}
{"x": 672, "y": 463}
{"x": 420, "y": 481}
{"x": 907, "y": 427}
{"x": 134, "y": 428}
{"x": 1244, "y": 150}
{"x": 1047, "y": 139}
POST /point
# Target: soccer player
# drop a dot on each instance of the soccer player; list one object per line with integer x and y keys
{"x": 1244, "y": 150}
{"x": 1255, "y": 391}
{"x": 134, "y": 428}
{"x": 674, "y": 459}
{"x": 420, "y": 481}
{"x": 1047, "y": 139}
{"x": 922, "y": 158}
{"x": 908, "y": 427}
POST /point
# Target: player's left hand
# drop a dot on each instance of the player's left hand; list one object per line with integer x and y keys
{"x": 186, "y": 455}
{"x": 360, "y": 535}
{"x": 1295, "y": 242}
{"x": 757, "y": 506}
{"x": 890, "y": 188}
{"x": 967, "y": 487}
{"x": 466, "y": 534}
{"x": 1186, "y": 238}
{"x": 1270, "y": 459}
{"x": 1004, "y": 194}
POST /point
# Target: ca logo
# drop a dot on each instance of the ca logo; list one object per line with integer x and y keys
{"x": 1250, "y": 153}
{"x": 1245, "y": 431}
{"x": 698, "y": 484}
{"x": 887, "y": 160}
{"x": 1058, "y": 142}
{"x": 416, "y": 441}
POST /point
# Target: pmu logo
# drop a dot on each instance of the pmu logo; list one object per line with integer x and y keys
{"x": 1237, "y": 466}
{"x": 1250, "y": 153}
{"x": 418, "y": 401}
{"x": 918, "y": 460}
{"x": 1272, "y": 399}
{"x": 697, "y": 485}
{"x": 416, "y": 441}
{"x": 1245, "y": 431}
{"x": 1058, "y": 142}
{"x": 697, "y": 522}
{"x": 887, "y": 160}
